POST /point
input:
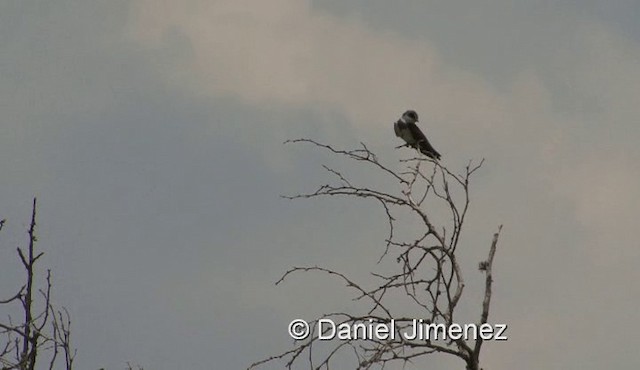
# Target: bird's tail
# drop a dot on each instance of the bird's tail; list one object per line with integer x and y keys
{"x": 427, "y": 150}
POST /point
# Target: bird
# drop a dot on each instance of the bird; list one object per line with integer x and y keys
{"x": 406, "y": 129}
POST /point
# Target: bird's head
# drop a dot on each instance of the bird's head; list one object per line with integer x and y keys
{"x": 410, "y": 116}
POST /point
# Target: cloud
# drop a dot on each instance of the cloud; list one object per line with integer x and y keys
{"x": 564, "y": 124}
{"x": 592, "y": 155}
{"x": 560, "y": 133}
{"x": 604, "y": 193}
{"x": 285, "y": 53}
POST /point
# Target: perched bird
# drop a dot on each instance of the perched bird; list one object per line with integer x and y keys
{"x": 407, "y": 130}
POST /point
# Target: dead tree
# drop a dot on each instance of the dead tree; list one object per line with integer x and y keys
{"x": 428, "y": 277}
{"x": 42, "y": 335}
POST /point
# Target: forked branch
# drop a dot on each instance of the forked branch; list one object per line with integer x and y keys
{"x": 43, "y": 335}
{"x": 427, "y": 271}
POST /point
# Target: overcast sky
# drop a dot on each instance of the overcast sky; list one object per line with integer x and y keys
{"x": 151, "y": 133}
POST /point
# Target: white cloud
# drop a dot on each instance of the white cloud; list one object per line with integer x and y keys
{"x": 606, "y": 200}
{"x": 283, "y": 53}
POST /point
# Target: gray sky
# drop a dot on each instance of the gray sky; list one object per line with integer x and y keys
{"x": 151, "y": 133}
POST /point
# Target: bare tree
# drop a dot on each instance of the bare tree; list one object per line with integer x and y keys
{"x": 42, "y": 334}
{"x": 427, "y": 277}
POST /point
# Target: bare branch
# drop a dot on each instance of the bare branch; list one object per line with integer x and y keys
{"x": 487, "y": 266}
{"x": 30, "y": 341}
{"x": 427, "y": 270}
{"x": 363, "y": 154}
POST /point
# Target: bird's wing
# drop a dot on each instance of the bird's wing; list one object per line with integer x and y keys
{"x": 396, "y": 129}
{"x": 428, "y": 150}
{"x": 416, "y": 132}
{"x": 423, "y": 143}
